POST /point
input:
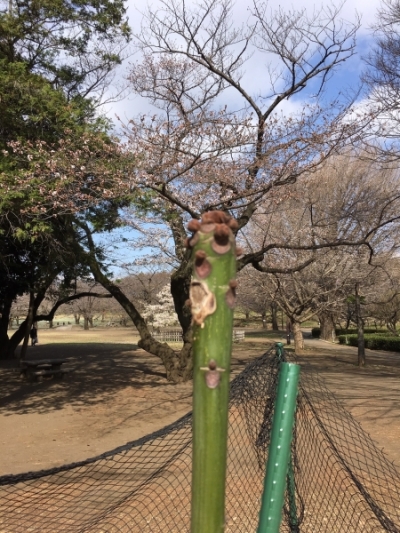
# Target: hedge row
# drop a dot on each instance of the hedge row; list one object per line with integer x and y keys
{"x": 316, "y": 332}
{"x": 373, "y": 342}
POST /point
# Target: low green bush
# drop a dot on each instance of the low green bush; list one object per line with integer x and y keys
{"x": 378, "y": 341}
{"x": 316, "y": 332}
{"x": 353, "y": 331}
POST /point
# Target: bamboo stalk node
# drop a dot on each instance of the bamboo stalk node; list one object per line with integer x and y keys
{"x": 220, "y": 248}
{"x": 212, "y": 374}
{"x": 201, "y": 265}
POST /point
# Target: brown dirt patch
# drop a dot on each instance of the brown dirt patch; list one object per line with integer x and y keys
{"x": 113, "y": 393}
{"x": 116, "y": 393}
{"x": 371, "y": 394}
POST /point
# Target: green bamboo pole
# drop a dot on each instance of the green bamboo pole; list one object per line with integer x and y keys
{"x": 279, "y": 449}
{"x": 212, "y": 297}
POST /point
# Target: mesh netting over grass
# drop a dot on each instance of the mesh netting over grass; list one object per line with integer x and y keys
{"x": 343, "y": 481}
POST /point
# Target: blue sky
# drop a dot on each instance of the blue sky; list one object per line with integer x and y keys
{"x": 347, "y": 75}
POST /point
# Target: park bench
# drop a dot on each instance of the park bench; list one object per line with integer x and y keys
{"x": 33, "y": 370}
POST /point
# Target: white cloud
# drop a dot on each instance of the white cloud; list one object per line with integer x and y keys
{"x": 367, "y": 9}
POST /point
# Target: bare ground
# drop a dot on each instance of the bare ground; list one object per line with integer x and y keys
{"x": 115, "y": 393}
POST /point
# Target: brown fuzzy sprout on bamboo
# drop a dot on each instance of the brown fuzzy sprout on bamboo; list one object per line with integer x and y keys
{"x": 216, "y": 229}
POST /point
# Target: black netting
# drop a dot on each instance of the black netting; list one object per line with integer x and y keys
{"x": 343, "y": 483}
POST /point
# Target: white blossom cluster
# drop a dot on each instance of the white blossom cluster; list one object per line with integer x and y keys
{"x": 162, "y": 314}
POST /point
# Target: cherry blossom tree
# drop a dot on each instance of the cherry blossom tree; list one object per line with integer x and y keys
{"x": 382, "y": 77}
{"x": 218, "y": 141}
{"x": 57, "y": 60}
{"x": 161, "y": 314}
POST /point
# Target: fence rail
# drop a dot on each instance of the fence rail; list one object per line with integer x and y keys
{"x": 176, "y": 335}
{"x": 238, "y": 335}
{"x": 171, "y": 336}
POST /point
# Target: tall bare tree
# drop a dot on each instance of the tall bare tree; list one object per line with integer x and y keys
{"x": 341, "y": 204}
{"x": 383, "y": 79}
{"x": 221, "y": 138}
{"x": 252, "y": 297}
{"x": 218, "y": 141}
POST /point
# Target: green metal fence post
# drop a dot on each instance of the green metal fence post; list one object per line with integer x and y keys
{"x": 279, "y": 449}
{"x": 291, "y": 486}
{"x": 212, "y": 297}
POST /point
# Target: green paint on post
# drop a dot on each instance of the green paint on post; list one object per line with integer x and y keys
{"x": 279, "y": 449}
{"x": 291, "y": 486}
{"x": 212, "y": 298}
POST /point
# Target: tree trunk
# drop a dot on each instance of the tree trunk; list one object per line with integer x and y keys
{"x": 298, "y": 337}
{"x": 178, "y": 365}
{"x": 392, "y": 326}
{"x": 348, "y": 316}
{"x": 264, "y": 320}
{"x": 51, "y": 324}
{"x": 274, "y": 316}
{"x": 8, "y": 347}
{"x": 288, "y": 331}
{"x": 85, "y": 323}
{"x": 77, "y": 319}
{"x": 360, "y": 329}
{"x": 4, "y": 321}
{"x": 180, "y": 285}
{"x": 28, "y": 326}
{"x": 327, "y": 327}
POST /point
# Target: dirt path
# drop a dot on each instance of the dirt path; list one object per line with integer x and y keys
{"x": 371, "y": 394}
{"x": 116, "y": 393}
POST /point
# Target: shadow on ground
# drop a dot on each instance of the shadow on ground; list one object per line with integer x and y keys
{"x": 94, "y": 372}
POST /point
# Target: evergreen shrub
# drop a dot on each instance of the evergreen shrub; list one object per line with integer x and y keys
{"x": 316, "y": 332}
{"x": 378, "y": 341}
